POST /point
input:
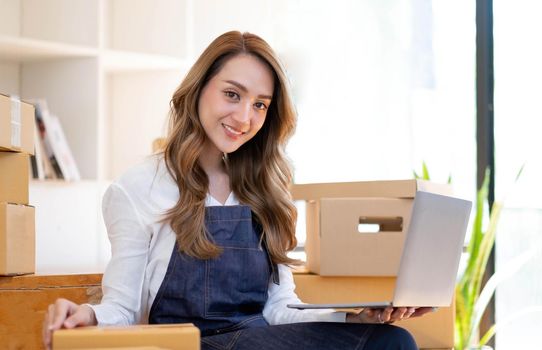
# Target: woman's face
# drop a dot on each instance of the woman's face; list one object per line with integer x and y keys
{"x": 233, "y": 105}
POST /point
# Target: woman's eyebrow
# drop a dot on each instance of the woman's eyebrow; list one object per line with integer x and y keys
{"x": 244, "y": 89}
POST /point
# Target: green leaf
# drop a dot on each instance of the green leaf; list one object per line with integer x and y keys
{"x": 461, "y": 326}
{"x": 486, "y": 244}
{"x": 425, "y": 171}
{"x": 489, "y": 334}
{"x": 470, "y": 300}
{"x": 467, "y": 292}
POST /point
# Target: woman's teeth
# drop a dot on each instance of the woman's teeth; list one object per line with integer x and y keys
{"x": 233, "y": 131}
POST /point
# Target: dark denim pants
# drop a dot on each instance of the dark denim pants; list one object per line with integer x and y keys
{"x": 313, "y": 336}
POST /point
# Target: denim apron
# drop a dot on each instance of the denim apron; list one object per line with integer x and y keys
{"x": 224, "y": 294}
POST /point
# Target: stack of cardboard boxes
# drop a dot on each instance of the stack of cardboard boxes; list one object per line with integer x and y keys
{"x": 355, "y": 237}
{"x": 17, "y": 228}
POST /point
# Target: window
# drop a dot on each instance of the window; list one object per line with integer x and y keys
{"x": 381, "y": 87}
{"x": 518, "y": 123}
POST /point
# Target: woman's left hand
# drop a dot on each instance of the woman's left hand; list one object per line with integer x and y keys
{"x": 387, "y": 315}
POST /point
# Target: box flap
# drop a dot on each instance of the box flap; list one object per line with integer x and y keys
{"x": 386, "y": 189}
{"x": 173, "y": 337}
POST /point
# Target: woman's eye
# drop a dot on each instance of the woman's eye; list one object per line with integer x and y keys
{"x": 232, "y": 95}
{"x": 260, "y": 105}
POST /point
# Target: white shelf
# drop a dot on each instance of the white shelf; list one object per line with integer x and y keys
{"x": 19, "y": 49}
{"x": 89, "y": 59}
{"x": 118, "y": 61}
{"x": 109, "y": 79}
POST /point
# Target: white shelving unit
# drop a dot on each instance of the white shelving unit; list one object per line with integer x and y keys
{"x": 107, "y": 69}
{"x": 103, "y": 67}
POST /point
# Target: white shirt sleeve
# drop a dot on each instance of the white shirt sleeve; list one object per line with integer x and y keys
{"x": 123, "y": 278}
{"x": 276, "y": 311}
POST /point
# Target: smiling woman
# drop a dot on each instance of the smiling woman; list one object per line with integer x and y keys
{"x": 233, "y": 111}
{"x": 200, "y": 232}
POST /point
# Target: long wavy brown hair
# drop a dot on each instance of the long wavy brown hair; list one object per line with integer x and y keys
{"x": 259, "y": 171}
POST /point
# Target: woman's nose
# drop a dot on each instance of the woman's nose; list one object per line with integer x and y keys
{"x": 243, "y": 113}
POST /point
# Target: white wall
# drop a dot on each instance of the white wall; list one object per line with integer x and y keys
{"x": 70, "y": 234}
{"x": 138, "y": 116}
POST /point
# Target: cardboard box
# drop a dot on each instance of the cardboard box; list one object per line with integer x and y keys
{"x": 336, "y": 247}
{"x": 131, "y": 348}
{"x": 385, "y": 189}
{"x": 14, "y": 177}
{"x": 173, "y": 337}
{"x": 24, "y": 300}
{"x": 17, "y": 239}
{"x": 432, "y": 331}
{"x": 17, "y": 124}
{"x": 359, "y": 228}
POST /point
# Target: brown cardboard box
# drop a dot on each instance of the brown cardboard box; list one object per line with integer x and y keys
{"x": 431, "y": 331}
{"x": 132, "y": 348}
{"x": 335, "y": 247}
{"x": 25, "y": 299}
{"x": 173, "y": 337}
{"x": 17, "y": 124}
{"x": 338, "y": 215}
{"x": 17, "y": 239}
{"x": 386, "y": 189}
{"x": 14, "y": 177}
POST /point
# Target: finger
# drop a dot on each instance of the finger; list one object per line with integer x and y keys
{"x": 47, "y": 325}
{"x": 378, "y": 317}
{"x": 369, "y": 312}
{"x": 409, "y": 312}
{"x": 50, "y": 315}
{"x": 44, "y": 328}
{"x": 79, "y": 318}
{"x": 386, "y": 314}
{"x": 398, "y": 314}
{"x": 422, "y": 311}
{"x": 62, "y": 309}
{"x": 368, "y": 315}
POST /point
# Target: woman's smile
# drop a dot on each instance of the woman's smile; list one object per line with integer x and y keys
{"x": 232, "y": 132}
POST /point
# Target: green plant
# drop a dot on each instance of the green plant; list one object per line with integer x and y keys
{"x": 425, "y": 174}
{"x": 468, "y": 288}
{"x": 471, "y": 300}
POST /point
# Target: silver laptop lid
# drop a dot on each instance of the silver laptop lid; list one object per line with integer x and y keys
{"x": 432, "y": 250}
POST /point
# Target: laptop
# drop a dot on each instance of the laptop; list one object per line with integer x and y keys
{"x": 430, "y": 258}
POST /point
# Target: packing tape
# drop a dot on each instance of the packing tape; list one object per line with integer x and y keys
{"x": 15, "y": 121}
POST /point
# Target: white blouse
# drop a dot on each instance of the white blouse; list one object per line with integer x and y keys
{"x": 141, "y": 247}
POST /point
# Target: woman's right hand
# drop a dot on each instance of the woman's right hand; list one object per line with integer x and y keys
{"x": 65, "y": 314}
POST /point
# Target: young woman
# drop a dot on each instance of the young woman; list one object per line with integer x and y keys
{"x": 199, "y": 233}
